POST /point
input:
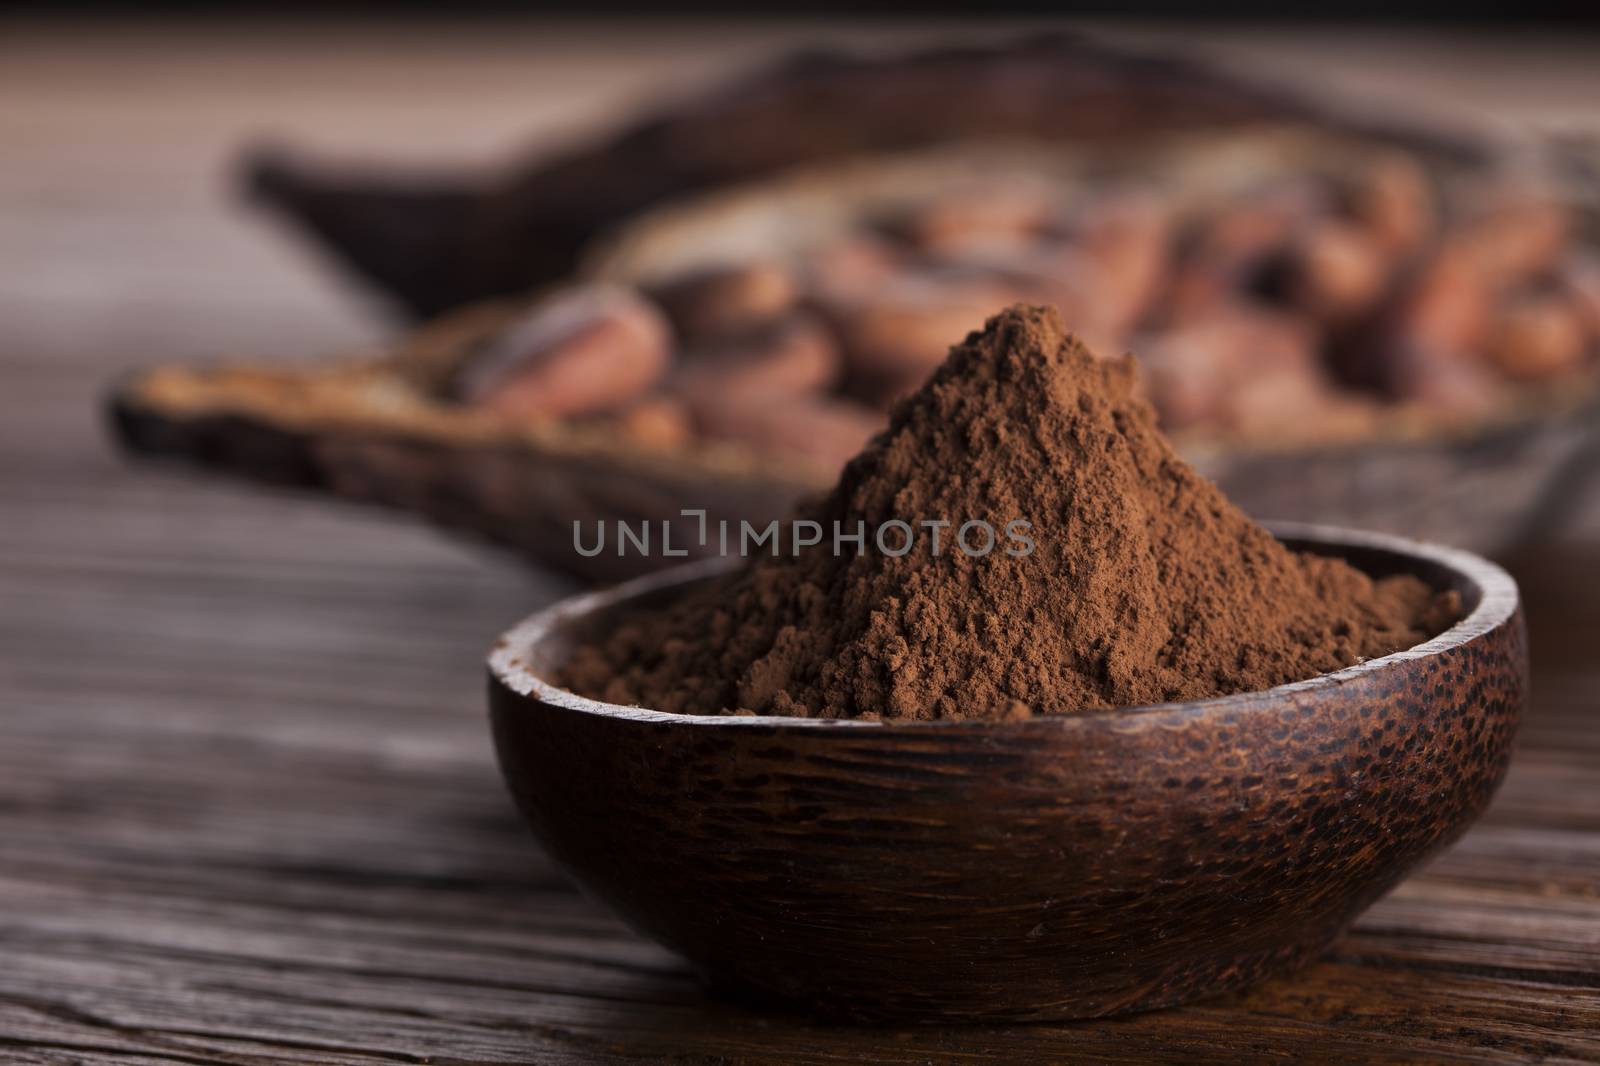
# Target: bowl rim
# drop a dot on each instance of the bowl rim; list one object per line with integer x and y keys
{"x": 1498, "y": 602}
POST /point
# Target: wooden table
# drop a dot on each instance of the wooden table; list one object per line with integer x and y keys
{"x": 248, "y": 809}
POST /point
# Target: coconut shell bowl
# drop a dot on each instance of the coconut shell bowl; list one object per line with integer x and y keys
{"x": 1047, "y": 868}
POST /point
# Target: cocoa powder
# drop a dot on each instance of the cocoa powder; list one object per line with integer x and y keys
{"x": 1144, "y": 583}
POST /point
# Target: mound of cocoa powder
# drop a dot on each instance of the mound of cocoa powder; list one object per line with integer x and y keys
{"x": 1144, "y": 583}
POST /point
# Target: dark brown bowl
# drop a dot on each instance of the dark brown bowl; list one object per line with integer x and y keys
{"x": 1062, "y": 867}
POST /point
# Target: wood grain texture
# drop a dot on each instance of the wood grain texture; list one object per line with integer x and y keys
{"x": 248, "y": 806}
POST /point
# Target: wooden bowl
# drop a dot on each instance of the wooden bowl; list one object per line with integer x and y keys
{"x": 1062, "y": 867}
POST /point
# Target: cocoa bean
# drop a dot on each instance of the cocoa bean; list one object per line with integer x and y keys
{"x": 1253, "y": 226}
{"x": 894, "y": 337}
{"x": 1101, "y": 271}
{"x": 1392, "y": 199}
{"x": 849, "y": 266}
{"x": 1443, "y": 314}
{"x": 659, "y": 421}
{"x": 1125, "y": 240}
{"x": 1183, "y": 380}
{"x": 1439, "y": 315}
{"x": 1515, "y": 241}
{"x": 983, "y": 214}
{"x": 1335, "y": 271}
{"x": 1538, "y": 335}
{"x": 1052, "y": 272}
{"x": 1208, "y": 371}
{"x": 1222, "y": 253}
{"x": 814, "y": 429}
{"x": 1292, "y": 402}
{"x": 727, "y": 298}
{"x": 790, "y": 356}
{"x": 1197, "y": 288}
{"x": 1093, "y": 302}
{"x": 577, "y": 351}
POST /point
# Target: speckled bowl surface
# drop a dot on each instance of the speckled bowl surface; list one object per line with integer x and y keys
{"x": 1051, "y": 868}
